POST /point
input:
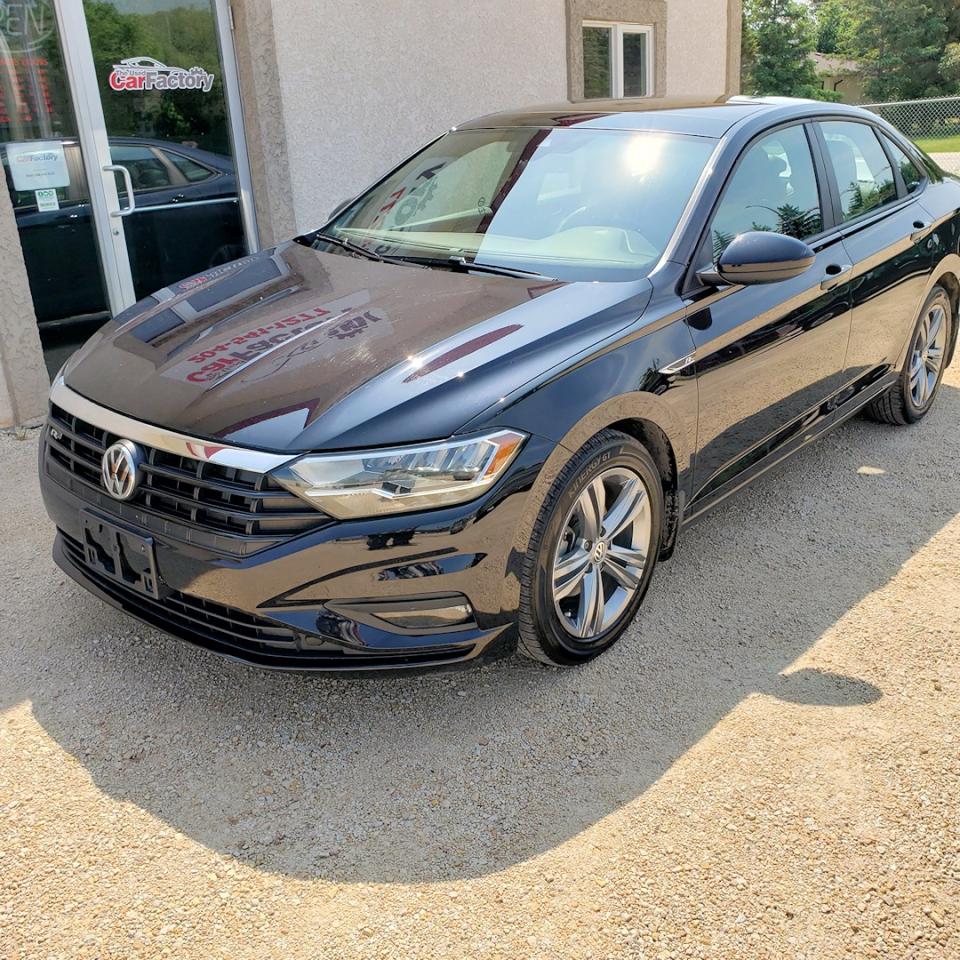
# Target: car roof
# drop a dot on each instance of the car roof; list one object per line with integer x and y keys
{"x": 697, "y": 117}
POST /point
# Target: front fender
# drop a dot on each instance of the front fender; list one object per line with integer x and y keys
{"x": 623, "y": 381}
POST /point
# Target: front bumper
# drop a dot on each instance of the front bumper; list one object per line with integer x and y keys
{"x": 311, "y": 602}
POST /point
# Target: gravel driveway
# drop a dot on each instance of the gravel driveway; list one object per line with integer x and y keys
{"x": 768, "y": 765}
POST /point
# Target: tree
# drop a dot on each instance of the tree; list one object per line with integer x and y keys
{"x": 778, "y": 39}
{"x": 950, "y": 66}
{"x": 833, "y": 26}
{"x": 900, "y": 45}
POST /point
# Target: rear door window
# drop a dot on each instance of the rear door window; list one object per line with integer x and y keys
{"x": 864, "y": 175}
{"x": 147, "y": 170}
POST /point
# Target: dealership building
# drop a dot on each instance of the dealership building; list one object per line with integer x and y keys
{"x": 147, "y": 140}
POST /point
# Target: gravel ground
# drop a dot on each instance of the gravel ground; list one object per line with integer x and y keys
{"x": 768, "y": 765}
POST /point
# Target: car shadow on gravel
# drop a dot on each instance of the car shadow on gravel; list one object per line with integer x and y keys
{"x": 454, "y": 775}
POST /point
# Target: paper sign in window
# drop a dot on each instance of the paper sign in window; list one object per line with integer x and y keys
{"x": 38, "y": 165}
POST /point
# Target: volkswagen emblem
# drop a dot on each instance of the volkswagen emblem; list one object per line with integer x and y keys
{"x": 120, "y": 469}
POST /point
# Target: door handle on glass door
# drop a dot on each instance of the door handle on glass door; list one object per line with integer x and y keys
{"x": 835, "y": 274}
{"x": 131, "y": 201}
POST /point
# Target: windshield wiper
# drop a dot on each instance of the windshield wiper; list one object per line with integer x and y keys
{"x": 466, "y": 265}
{"x": 463, "y": 265}
{"x": 454, "y": 263}
{"x": 347, "y": 245}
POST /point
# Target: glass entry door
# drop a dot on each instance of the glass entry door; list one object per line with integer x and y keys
{"x": 45, "y": 175}
{"x": 120, "y": 137}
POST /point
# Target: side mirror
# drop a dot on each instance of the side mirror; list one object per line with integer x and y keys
{"x": 760, "y": 257}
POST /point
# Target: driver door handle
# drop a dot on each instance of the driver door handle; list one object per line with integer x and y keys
{"x": 835, "y": 275}
{"x": 131, "y": 201}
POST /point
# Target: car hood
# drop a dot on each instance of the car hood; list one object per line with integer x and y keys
{"x": 292, "y": 349}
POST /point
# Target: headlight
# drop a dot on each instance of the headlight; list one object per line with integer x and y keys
{"x": 375, "y": 483}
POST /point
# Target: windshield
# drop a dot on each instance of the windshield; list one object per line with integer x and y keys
{"x": 569, "y": 204}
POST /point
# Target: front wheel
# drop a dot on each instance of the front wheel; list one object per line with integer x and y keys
{"x": 592, "y": 552}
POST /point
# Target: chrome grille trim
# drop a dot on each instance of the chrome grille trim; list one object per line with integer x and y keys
{"x": 208, "y": 451}
{"x": 202, "y": 502}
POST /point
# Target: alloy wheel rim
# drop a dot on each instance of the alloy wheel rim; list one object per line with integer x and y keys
{"x": 926, "y": 360}
{"x": 603, "y": 552}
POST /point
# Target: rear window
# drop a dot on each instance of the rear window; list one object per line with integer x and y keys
{"x": 146, "y": 169}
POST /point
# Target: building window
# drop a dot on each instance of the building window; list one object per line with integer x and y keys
{"x": 617, "y": 60}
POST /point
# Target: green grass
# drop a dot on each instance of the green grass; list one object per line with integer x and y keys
{"x": 939, "y": 144}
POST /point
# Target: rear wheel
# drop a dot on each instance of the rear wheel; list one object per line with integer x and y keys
{"x": 911, "y": 398}
{"x": 593, "y": 551}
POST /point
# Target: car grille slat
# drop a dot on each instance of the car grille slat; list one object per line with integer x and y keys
{"x": 185, "y": 613}
{"x": 240, "y": 516}
{"x": 227, "y": 508}
{"x": 215, "y": 486}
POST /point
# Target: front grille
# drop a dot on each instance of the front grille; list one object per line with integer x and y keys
{"x": 180, "y": 610}
{"x": 182, "y": 497}
{"x": 237, "y": 633}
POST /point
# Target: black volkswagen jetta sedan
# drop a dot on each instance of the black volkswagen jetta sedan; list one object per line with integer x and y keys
{"x": 481, "y": 402}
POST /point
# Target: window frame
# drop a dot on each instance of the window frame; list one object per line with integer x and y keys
{"x": 837, "y": 202}
{"x": 618, "y": 29}
{"x": 878, "y": 213}
{"x": 834, "y": 227}
{"x": 824, "y": 192}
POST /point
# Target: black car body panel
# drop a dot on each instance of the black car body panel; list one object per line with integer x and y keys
{"x": 299, "y": 350}
{"x": 294, "y": 349}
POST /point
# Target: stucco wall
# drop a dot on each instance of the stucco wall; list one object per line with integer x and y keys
{"x": 263, "y": 118}
{"x": 360, "y": 91}
{"x": 354, "y": 91}
{"x": 696, "y": 56}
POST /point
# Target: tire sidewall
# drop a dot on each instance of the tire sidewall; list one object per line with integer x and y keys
{"x": 557, "y": 642}
{"x": 912, "y": 412}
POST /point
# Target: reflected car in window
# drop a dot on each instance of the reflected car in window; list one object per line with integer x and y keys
{"x": 476, "y": 408}
{"x": 186, "y": 201}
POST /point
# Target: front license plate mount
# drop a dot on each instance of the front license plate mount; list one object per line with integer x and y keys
{"x": 118, "y": 553}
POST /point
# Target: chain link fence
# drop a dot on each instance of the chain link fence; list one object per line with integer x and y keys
{"x": 934, "y": 124}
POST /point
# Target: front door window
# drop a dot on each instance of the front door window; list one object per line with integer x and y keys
{"x": 774, "y": 188}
